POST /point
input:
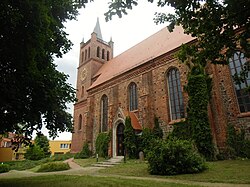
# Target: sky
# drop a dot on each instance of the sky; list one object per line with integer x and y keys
{"x": 125, "y": 32}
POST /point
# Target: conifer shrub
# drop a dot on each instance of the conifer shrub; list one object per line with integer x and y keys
{"x": 34, "y": 152}
{"x": 157, "y": 131}
{"x": 85, "y": 152}
{"x": 4, "y": 168}
{"x": 53, "y": 166}
{"x": 171, "y": 157}
{"x": 102, "y": 144}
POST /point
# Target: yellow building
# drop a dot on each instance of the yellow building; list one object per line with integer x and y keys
{"x": 59, "y": 146}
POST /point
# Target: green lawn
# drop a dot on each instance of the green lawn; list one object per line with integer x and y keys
{"x": 228, "y": 171}
{"x": 86, "y": 181}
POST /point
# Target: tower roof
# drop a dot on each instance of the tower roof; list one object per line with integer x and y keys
{"x": 97, "y": 29}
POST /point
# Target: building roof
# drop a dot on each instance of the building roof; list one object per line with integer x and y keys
{"x": 97, "y": 29}
{"x": 158, "y": 44}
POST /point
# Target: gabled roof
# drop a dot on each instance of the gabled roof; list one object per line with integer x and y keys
{"x": 158, "y": 44}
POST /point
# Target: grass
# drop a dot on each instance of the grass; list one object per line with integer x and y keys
{"x": 87, "y": 162}
{"x": 228, "y": 171}
{"x": 28, "y": 164}
{"x": 86, "y": 181}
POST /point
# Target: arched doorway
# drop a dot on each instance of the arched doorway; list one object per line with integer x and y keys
{"x": 120, "y": 139}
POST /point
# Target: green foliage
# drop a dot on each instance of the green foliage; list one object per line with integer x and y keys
{"x": 173, "y": 157}
{"x": 33, "y": 92}
{"x": 157, "y": 131}
{"x": 85, "y": 152}
{"x": 197, "y": 115}
{"x": 130, "y": 139}
{"x": 4, "y": 168}
{"x": 43, "y": 142}
{"x": 181, "y": 131}
{"x": 102, "y": 144}
{"x": 34, "y": 152}
{"x": 53, "y": 166}
{"x": 238, "y": 146}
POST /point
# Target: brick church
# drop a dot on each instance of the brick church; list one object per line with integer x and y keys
{"x": 147, "y": 81}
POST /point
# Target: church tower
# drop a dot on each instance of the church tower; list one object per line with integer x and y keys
{"x": 93, "y": 54}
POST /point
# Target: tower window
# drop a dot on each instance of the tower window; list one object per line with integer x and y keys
{"x": 103, "y": 54}
{"x": 89, "y": 52}
{"x": 98, "y": 52}
{"x": 104, "y": 113}
{"x": 82, "y": 56}
{"x": 176, "y": 103}
{"x": 80, "y": 122}
{"x": 236, "y": 64}
{"x": 107, "y": 55}
{"x": 133, "y": 99}
{"x": 82, "y": 93}
{"x": 85, "y": 54}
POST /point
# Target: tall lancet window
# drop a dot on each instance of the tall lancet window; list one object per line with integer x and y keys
{"x": 80, "y": 122}
{"x": 104, "y": 113}
{"x": 236, "y": 64}
{"x": 133, "y": 98}
{"x": 98, "y": 52}
{"x": 176, "y": 104}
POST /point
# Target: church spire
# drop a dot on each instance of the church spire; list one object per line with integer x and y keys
{"x": 97, "y": 29}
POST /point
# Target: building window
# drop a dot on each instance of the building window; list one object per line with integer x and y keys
{"x": 104, "y": 113}
{"x": 107, "y": 55}
{"x": 176, "y": 104}
{"x": 103, "y": 54}
{"x": 82, "y": 93}
{"x": 86, "y": 54}
{"x": 236, "y": 64}
{"x": 82, "y": 56}
{"x": 89, "y": 52}
{"x": 98, "y": 52}
{"x": 80, "y": 122}
{"x": 64, "y": 146}
{"x": 133, "y": 99}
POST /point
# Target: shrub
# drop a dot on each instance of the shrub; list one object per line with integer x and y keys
{"x": 85, "y": 153}
{"x": 102, "y": 144}
{"x": 145, "y": 140}
{"x": 237, "y": 144}
{"x": 181, "y": 131}
{"x": 34, "y": 152}
{"x": 4, "y": 168}
{"x": 174, "y": 157}
{"x": 157, "y": 131}
{"x": 130, "y": 139}
{"x": 53, "y": 166}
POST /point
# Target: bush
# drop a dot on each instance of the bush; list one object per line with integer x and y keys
{"x": 181, "y": 131}
{"x": 157, "y": 131}
{"x": 85, "y": 153}
{"x": 102, "y": 144}
{"x": 130, "y": 139}
{"x": 4, "y": 168}
{"x": 174, "y": 157}
{"x": 237, "y": 144}
{"x": 53, "y": 166}
{"x": 34, "y": 152}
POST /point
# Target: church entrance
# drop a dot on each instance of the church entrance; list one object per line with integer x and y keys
{"x": 120, "y": 139}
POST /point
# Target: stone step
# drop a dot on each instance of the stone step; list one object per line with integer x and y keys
{"x": 102, "y": 165}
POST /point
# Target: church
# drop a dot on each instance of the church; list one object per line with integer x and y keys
{"x": 146, "y": 81}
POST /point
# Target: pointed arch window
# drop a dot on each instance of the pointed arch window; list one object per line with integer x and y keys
{"x": 104, "y": 113}
{"x": 80, "y": 122}
{"x": 133, "y": 98}
{"x": 236, "y": 64}
{"x": 103, "y": 54}
{"x": 107, "y": 55}
{"x": 176, "y": 103}
{"x": 98, "y": 52}
{"x": 89, "y": 52}
{"x": 86, "y": 54}
{"x": 82, "y": 56}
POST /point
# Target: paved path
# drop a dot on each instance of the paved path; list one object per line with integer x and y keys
{"x": 93, "y": 171}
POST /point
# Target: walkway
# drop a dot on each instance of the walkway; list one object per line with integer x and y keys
{"x": 93, "y": 171}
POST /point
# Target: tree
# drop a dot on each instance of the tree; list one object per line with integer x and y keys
{"x": 43, "y": 142}
{"x": 130, "y": 139}
{"x": 33, "y": 92}
{"x": 34, "y": 152}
